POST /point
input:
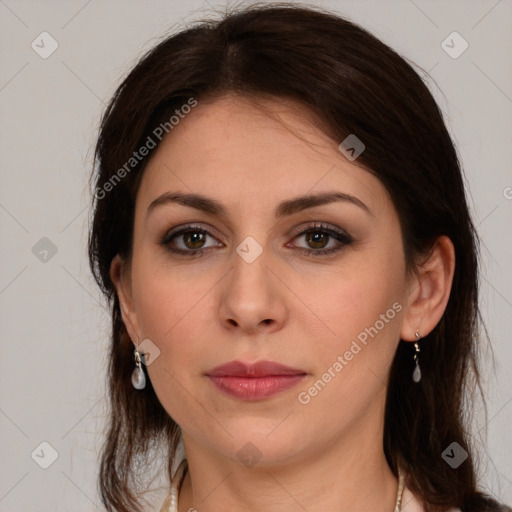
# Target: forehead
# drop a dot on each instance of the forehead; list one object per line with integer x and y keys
{"x": 253, "y": 153}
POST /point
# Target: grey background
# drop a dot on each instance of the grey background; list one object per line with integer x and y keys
{"x": 54, "y": 327}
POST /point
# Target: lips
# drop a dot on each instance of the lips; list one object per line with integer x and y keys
{"x": 259, "y": 369}
{"x": 254, "y": 381}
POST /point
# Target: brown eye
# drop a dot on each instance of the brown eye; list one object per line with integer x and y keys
{"x": 194, "y": 239}
{"x": 318, "y": 238}
{"x": 189, "y": 240}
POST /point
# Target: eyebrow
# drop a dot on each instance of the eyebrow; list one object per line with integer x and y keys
{"x": 285, "y": 208}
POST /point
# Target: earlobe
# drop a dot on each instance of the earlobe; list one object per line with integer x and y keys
{"x": 430, "y": 290}
{"x": 121, "y": 280}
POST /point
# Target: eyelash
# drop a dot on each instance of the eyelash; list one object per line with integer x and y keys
{"x": 343, "y": 238}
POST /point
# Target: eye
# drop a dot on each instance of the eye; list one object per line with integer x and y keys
{"x": 319, "y": 237}
{"x": 189, "y": 240}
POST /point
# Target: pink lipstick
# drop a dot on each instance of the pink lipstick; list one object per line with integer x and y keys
{"x": 254, "y": 381}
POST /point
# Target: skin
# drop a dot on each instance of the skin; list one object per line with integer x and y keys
{"x": 296, "y": 309}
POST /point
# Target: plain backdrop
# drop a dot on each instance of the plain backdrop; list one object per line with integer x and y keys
{"x": 54, "y": 325}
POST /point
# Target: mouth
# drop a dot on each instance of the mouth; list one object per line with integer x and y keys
{"x": 256, "y": 381}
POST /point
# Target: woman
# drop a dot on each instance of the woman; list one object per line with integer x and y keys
{"x": 281, "y": 227}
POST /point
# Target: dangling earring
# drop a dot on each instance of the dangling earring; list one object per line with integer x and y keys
{"x": 416, "y": 374}
{"x": 138, "y": 377}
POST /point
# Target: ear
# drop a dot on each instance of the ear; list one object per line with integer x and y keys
{"x": 120, "y": 276}
{"x": 430, "y": 288}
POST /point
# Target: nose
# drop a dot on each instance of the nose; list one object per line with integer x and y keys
{"x": 253, "y": 297}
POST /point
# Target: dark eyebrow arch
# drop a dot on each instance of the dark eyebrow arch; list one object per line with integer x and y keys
{"x": 288, "y": 207}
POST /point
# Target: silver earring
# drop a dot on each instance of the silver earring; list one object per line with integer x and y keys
{"x": 138, "y": 377}
{"x": 416, "y": 374}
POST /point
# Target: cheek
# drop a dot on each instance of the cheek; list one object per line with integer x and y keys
{"x": 163, "y": 293}
{"x": 167, "y": 298}
{"x": 356, "y": 298}
{"x": 363, "y": 312}
{"x": 171, "y": 310}
{"x": 361, "y": 307}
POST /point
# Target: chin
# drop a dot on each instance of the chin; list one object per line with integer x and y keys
{"x": 258, "y": 445}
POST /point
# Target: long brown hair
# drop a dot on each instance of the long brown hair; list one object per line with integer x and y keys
{"x": 355, "y": 84}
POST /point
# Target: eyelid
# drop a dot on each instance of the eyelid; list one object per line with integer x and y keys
{"x": 189, "y": 227}
{"x": 321, "y": 226}
{"x": 342, "y": 236}
{"x": 298, "y": 231}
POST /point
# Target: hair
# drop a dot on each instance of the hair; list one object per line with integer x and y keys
{"x": 354, "y": 84}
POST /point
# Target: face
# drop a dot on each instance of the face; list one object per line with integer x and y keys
{"x": 254, "y": 274}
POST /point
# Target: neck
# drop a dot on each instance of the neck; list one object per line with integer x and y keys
{"x": 346, "y": 475}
